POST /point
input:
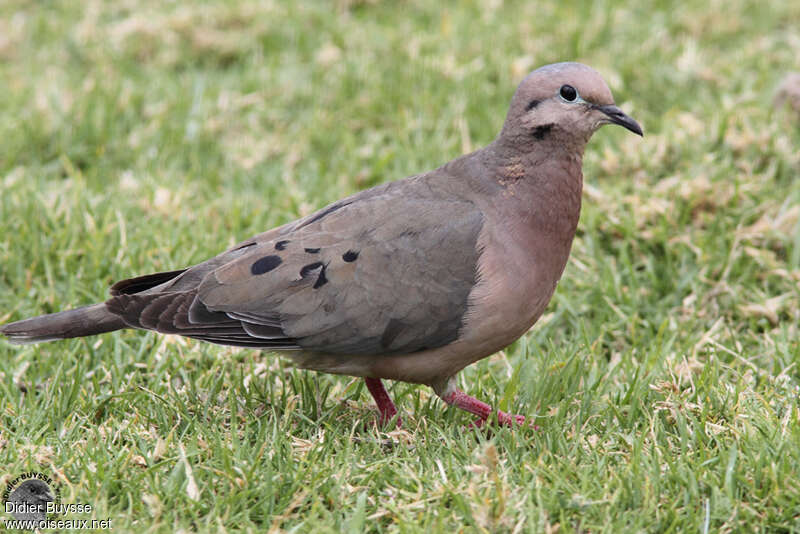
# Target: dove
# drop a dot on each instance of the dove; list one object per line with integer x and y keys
{"x": 411, "y": 280}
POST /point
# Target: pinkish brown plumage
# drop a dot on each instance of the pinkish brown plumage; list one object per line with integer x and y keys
{"x": 412, "y": 280}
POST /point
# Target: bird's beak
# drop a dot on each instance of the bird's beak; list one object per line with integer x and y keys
{"x": 617, "y": 116}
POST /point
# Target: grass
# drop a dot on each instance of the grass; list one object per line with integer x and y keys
{"x": 146, "y": 136}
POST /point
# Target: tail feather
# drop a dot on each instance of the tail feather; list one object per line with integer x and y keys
{"x": 80, "y": 322}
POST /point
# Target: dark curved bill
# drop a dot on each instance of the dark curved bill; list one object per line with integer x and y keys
{"x": 617, "y": 116}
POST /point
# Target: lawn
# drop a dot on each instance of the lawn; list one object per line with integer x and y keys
{"x": 664, "y": 377}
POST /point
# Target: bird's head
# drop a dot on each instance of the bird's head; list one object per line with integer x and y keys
{"x": 563, "y": 102}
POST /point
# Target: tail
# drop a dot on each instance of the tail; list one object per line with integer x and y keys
{"x": 86, "y": 321}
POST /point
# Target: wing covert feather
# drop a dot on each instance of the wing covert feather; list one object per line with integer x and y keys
{"x": 387, "y": 274}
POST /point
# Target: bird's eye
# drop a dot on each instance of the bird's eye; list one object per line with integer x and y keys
{"x": 568, "y": 93}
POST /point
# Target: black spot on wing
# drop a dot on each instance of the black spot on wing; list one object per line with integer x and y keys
{"x": 310, "y": 267}
{"x": 280, "y": 245}
{"x": 532, "y": 104}
{"x": 540, "y": 132}
{"x": 350, "y": 256}
{"x": 312, "y": 250}
{"x": 265, "y": 264}
{"x": 321, "y": 279}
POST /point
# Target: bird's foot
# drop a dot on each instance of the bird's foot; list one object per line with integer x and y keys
{"x": 504, "y": 419}
{"x": 461, "y": 400}
{"x": 386, "y": 407}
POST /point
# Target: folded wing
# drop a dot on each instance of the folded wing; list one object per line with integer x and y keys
{"x": 377, "y": 273}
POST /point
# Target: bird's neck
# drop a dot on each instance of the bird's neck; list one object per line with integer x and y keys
{"x": 545, "y": 181}
{"x": 538, "y": 189}
{"x": 536, "y": 200}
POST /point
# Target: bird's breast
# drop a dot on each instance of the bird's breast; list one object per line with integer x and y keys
{"x": 525, "y": 250}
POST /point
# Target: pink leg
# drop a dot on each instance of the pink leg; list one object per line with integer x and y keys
{"x": 461, "y": 400}
{"x": 382, "y": 399}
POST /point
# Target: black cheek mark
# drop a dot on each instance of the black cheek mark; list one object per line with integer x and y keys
{"x": 280, "y": 245}
{"x": 532, "y": 104}
{"x": 321, "y": 279}
{"x": 541, "y": 131}
{"x": 265, "y": 264}
{"x": 350, "y": 256}
{"x": 312, "y": 250}
{"x": 310, "y": 267}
